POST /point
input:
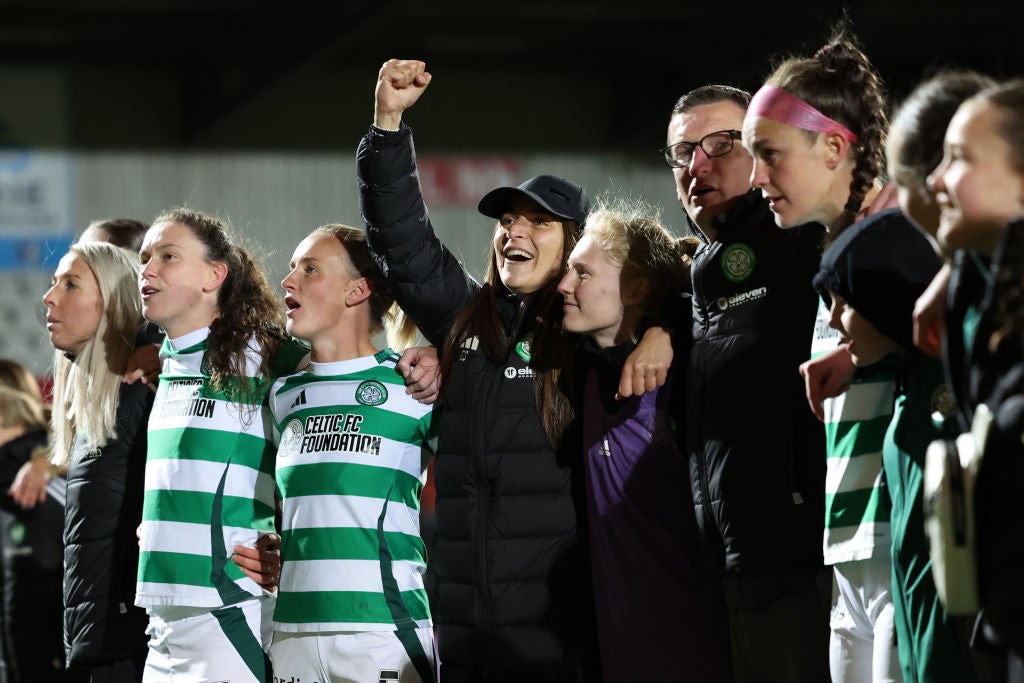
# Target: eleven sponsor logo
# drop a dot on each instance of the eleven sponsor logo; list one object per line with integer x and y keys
{"x": 518, "y": 373}
{"x": 727, "y": 302}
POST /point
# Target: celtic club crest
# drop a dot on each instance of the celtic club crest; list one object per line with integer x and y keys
{"x": 371, "y": 393}
{"x": 738, "y": 262}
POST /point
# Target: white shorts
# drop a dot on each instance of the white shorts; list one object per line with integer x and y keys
{"x": 203, "y": 646}
{"x": 404, "y": 656}
{"x": 862, "y": 645}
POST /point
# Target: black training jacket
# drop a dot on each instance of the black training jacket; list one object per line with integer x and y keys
{"x": 513, "y": 594}
{"x": 101, "y": 549}
{"x": 33, "y": 552}
{"x": 758, "y": 453}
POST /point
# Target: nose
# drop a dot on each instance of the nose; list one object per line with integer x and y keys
{"x": 834, "y": 316}
{"x": 700, "y": 162}
{"x": 758, "y": 176}
{"x": 517, "y": 228}
{"x": 48, "y": 296}
{"x": 148, "y": 270}
{"x": 935, "y": 180}
{"x": 567, "y": 285}
{"x": 288, "y": 282}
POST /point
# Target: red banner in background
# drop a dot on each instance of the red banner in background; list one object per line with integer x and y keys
{"x": 460, "y": 182}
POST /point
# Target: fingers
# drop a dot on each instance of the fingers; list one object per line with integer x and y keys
{"x": 25, "y": 497}
{"x": 270, "y": 542}
{"x": 647, "y": 366}
{"x": 262, "y": 562}
{"x": 29, "y": 487}
{"x": 145, "y": 364}
{"x": 426, "y": 388}
{"x": 248, "y": 558}
{"x": 640, "y": 378}
{"x": 399, "y": 85}
{"x": 644, "y": 379}
{"x": 407, "y": 363}
{"x": 660, "y": 377}
{"x": 421, "y": 370}
{"x": 625, "y": 383}
{"x": 402, "y": 73}
{"x": 134, "y": 376}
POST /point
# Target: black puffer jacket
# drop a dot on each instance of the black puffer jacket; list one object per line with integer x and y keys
{"x": 33, "y": 551}
{"x": 101, "y": 553}
{"x": 759, "y": 452}
{"x": 513, "y": 598}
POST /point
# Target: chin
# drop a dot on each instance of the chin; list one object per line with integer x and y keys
{"x": 514, "y": 285}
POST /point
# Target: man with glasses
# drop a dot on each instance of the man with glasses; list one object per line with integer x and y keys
{"x": 758, "y": 453}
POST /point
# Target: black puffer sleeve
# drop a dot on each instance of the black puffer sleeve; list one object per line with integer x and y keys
{"x": 429, "y": 282}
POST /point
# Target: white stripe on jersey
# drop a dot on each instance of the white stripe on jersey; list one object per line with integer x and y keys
{"x": 204, "y": 476}
{"x": 353, "y": 512}
{"x": 190, "y": 539}
{"x": 394, "y": 455}
{"x": 862, "y": 401}
{"x": 347, "y": 575}
{"x": 861, "y": 472}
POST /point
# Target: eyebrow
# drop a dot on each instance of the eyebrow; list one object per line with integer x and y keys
{"x": 303, "y": 260}
{"x": 756, "y": 144}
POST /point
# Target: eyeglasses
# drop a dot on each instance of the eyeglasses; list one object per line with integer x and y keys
{"x": 716, "y": 144}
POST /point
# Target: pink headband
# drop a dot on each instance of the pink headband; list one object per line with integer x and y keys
{"x": 778, "y": 105}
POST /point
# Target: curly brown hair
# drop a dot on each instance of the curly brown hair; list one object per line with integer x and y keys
{"x": 247, "y": 307}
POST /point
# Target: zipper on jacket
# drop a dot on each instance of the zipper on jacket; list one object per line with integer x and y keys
{"x": 483, "y": 481}
{"x": 483, "y": 502}
{"x": 481, "y": 475}
{"x": 702, "y": 467}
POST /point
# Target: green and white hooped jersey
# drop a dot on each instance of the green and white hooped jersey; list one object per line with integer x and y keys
{"x": 351, "y": 465}
{"x": 857, "y": 506}
{"x": 209, "y": 482}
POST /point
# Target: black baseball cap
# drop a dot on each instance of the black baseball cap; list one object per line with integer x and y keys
{"x": 557, "y": 196}
{"x": 880, "y": 266}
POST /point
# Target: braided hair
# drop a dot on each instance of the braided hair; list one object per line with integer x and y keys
{"x": 840, "y": 82}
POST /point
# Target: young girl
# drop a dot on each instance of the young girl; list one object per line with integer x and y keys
{"x": 914, "y": 147}
{"x": 99, "y": 434}
{"x": 980, "y": 186}
{"x": 816, "y": 131}
{"x": 873, "y": 274}
{"x": 655, "y": 600}
{"x": 350, "y": 470}
{"x": 914, "y": 151}
{"x": 210, "y": 464}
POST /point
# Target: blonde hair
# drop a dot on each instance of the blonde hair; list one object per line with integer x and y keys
{"x": 16, "y": 376}
{"x": 21, "y": 409}
{"x": 86, "y": 389}
{"x": 385, "y": 314}
{"x": 634, "y": 240}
